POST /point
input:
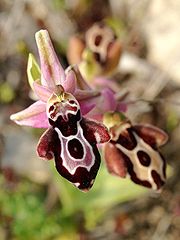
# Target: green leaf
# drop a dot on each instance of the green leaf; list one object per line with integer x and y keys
{"x": 105, "y": 194}
{"x": 33, "y": 70}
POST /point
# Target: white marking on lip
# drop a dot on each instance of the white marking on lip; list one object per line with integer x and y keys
{"x": 64, "y": 151}
{"x": 144, "y": 173}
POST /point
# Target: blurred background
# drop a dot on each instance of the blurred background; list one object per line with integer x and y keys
{"x": 35, "y": 202}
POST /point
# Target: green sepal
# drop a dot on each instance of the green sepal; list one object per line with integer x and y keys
{"x": 89, "y": 67}
{"x": 111, "y": 119}
{"x": 33, "y": 70}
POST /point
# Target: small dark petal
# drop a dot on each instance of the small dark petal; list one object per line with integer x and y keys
{"x": 95, "y": 132}
{"x": 153, "y": 136}
{"x": 47, "y": 143}
{"x": 114, "y": 160}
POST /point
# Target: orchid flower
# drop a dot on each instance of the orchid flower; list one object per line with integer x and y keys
{"x": 69, "y": 109}
{"x": 63, "y": 101}
{"x": 134, "y": 150}
{"x": 97, "y": 53}
{"x": 52, "y": 75}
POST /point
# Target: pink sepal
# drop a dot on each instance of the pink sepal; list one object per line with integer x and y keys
{"x": 85, "y": 94}
{"x": 41, "y": 91}
{"x": 103, "y": 103}
{"x": 33, "y": 116}
{"x": 70, "y": 83}
{"x": 52, "y": 72}
{"x": 86, "y": 107}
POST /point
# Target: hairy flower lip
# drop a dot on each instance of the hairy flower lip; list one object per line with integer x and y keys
{"x": 136, "y": 151}
{"x": 72, "y": 142}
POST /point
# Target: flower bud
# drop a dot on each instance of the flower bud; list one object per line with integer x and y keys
{"x": 97, "y": 53}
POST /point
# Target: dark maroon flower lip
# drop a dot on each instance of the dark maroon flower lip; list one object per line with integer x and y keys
{"x": 134, "y": 150}
{"x": 64, "y": 97}
{"x": 72, "y": 140}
